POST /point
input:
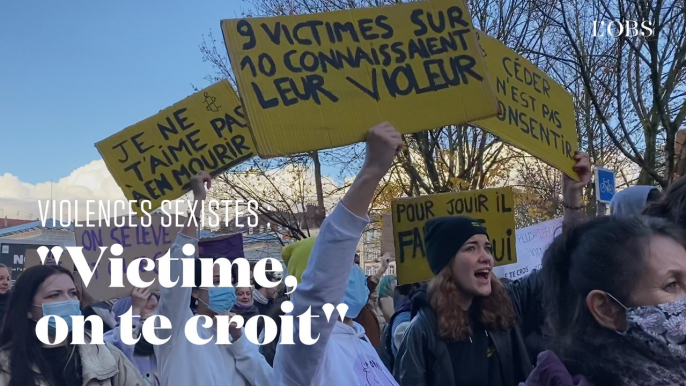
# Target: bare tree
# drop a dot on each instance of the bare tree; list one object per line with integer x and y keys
{"x": 641, "y": 78}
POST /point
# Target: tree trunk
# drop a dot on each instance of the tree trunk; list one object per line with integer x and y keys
{"x": 645, "y": 178}
{"x": 321, "y": 211}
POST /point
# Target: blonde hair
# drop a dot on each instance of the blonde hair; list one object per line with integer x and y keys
{"x": 495, "y": 311}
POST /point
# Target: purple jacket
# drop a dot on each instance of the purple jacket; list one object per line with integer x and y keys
{"x": 550, "y": 371}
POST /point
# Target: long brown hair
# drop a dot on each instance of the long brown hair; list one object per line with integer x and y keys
{"x": 494, "y": 311}
{"x": 672, "y": 204}
{"x": 84, "y": 297}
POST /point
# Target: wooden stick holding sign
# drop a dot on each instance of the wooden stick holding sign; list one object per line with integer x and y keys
{"x": 493, "y": 208}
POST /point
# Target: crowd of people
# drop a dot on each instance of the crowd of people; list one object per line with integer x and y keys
{"x": 608, "y": 307}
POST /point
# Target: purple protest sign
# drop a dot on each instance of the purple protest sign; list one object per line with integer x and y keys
{"x": 230, "y": 246}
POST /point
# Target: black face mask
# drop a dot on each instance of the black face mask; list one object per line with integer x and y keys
{"x": 143, "y": 348}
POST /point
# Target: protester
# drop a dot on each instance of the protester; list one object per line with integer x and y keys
{"x": 24, "y": 360}
{"x": 469, "y": 327}
{"x": 142, "y": 304}
{"x": 342, "y": 354}
{"x": 263, "y": 297}
{"x": 672, "y": 205}
{"x": 296, "y": 254}
{"x": 244, "y": 305}
{"x": 5, "y": 287}
{"x": 397, "y": 324}
{"x": 632, "y": 200}
{"x": 615, "y": 290}
{"x": 268, "y": 350}
{"x": 369, "y": 316}
{"x": 180, "y": 362}
{"x": 386, "y": 291}
{"x": 467, "y": 314}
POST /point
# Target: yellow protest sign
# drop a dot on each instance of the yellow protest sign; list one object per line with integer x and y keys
{"x": 536, "y": 114}
{"x": 494, "y": 208}
{"x": 317, "y": 81}
{"x": 155, "y": 159}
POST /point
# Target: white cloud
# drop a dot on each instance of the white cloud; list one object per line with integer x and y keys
{"x": 291, "y": 186}
{"x": 90, "y": 182}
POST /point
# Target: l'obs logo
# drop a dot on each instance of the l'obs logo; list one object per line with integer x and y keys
{"x": 627, "y": 28}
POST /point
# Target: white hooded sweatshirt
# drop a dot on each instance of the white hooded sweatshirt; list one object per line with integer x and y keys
{"x": 182, "y": 363}
{"x": 350, "y": 354}
{"x": 342, "y": 355}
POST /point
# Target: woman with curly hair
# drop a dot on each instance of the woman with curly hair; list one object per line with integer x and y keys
{"x": 469, "y": 327}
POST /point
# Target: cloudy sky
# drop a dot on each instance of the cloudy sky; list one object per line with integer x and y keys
{"x": 75, "y": 72}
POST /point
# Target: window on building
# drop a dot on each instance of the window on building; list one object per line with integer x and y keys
{"x": 250, "y": 230}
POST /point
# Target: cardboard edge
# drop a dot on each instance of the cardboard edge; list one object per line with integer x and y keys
{"x": 234, "y": 60}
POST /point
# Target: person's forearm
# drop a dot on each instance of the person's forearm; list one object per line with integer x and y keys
{"x": 360, "y": 195}
{"x": 191, "y": 227}
{"x": 379, "y": 273}
{"x": 572, "y": 208}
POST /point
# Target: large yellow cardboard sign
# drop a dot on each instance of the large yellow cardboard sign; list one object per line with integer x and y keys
{"x": 319, "y": 81}
{"x": 493, "y": 208}
{"x": 536, "y": 114}
{"x": 155, "y": 159}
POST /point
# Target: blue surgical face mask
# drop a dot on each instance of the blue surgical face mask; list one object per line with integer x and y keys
{"x": 65, "y": 309}
{"x": 357, "y": 293}
{"x": 221, "y": 299}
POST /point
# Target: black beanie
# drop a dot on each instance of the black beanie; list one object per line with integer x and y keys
{"x": 444, "y": 236}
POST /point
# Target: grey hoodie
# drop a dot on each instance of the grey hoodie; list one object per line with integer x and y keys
{"x": 630, "y": 201}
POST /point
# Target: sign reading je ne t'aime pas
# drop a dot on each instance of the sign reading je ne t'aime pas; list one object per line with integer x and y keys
{"x": 493, "y": 208}
{"x": 155, "y": 159}
{"x": 317, "y": 81}
{"x": 536, "y": 114}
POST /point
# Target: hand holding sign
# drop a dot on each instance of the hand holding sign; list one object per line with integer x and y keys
{"x": 198, "y": 185}
{"x": 572, "y": 189}
{"x": 383, "y": 143}
{"x": 582, "y": 167}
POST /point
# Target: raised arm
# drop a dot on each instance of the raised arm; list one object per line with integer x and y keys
{"x": 326, "y": 277}
{"x": 175, "y": 301}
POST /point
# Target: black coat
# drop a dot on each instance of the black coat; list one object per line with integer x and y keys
{"x": 423, "y": 358}
{"x": 4, "y": 302}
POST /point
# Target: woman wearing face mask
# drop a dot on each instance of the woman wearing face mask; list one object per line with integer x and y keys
{"x": 180, "y": 362}
{"x": 264, "y": 297}
{"x": 5, "y": 286}
{"x": 342, "y": 354}
{"x": 142, "y": 304}
{"x": 244, "y": 305}
{"x": 24, "y": 360}
{"x": 616, "y": 295}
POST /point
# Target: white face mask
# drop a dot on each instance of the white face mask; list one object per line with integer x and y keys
{"x": 661, "y": 329}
